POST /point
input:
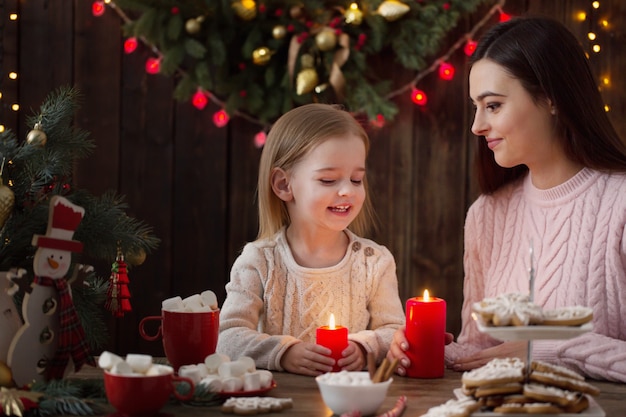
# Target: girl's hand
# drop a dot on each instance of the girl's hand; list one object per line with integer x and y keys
{"x": 307, "y": 359}
{"x": 516, "y": 349}
{"x": 353, "y": 358}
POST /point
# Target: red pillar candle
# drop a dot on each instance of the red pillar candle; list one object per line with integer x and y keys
{"x": 334, "y": 338}
{"x": 425, "y": 332}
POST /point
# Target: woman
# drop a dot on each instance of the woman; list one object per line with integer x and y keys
{"x": 552, "y": 172}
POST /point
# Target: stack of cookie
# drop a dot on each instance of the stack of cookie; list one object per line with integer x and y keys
{"x": 503, "y": 386}
{"x": 516, "y": 309}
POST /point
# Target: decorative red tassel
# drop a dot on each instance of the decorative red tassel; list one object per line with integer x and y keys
{"x": 118, "y": 294}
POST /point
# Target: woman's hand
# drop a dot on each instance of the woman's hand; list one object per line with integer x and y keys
{"x": 399, "y": 345}
{"x": 307, "y": 359}
{"x": 517, "y": 349}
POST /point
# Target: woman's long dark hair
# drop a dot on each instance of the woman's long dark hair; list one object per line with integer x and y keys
{"x": 550, "y": 63}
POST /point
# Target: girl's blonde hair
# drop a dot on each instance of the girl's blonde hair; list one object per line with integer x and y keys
{"x": 291, "y": 138}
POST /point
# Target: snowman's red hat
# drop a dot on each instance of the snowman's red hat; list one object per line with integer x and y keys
{"x": 63, "y": 219}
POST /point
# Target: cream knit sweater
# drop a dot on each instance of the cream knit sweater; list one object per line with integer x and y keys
{"x": 578, "y": 231}
{"x": 273, "y": 303}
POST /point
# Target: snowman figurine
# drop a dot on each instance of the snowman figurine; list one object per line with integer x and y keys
{"x": 52, "y": 333}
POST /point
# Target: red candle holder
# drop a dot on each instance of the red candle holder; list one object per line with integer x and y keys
{"x": 425, "y": 332}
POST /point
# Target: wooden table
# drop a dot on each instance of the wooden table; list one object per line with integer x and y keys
{"x": 421, "y": 394}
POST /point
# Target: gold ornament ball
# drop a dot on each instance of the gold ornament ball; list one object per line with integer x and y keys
{"x": 37, "y": 137}
{"x": 326, "y": 40}
{"x": 392, "y": 10}
{"x": 306, "y": 81}
{"x": 261, "y": 56}
{"x": 245, "y": 9}
{"x": 136, "y": 257}
{"x": 353, "y": 15}
{"x": 7, "y": 202}
{"x": 279, "y": 32}
{"x": 193, "y": 26}
{"x": 6, "y": 376}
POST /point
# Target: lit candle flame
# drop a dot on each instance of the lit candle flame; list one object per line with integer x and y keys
{"x": 331, "y": 322}
{"x": 426, "y": 296}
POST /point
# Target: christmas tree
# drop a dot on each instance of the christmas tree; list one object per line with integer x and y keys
{"x": 40, "y": 167}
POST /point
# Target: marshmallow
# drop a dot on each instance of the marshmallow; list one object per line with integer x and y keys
{"x": 213, "y": 362}
{"x": 251, "y": 381}
{"x": 108, "y": 359}
{"x": 248, "y": 363}
{"x": 193, "y": 302}
{"x": 209, "y": 299}
{"x": 266, "y": 378}
{"x": 192, "y": 372}
{"x": 231, "y": 369}
{"x": 173, "y": 304}
{"x": 139, "y": 363}
{"x": 232, "y": 384}
{"x": 158, "y": 369}
{"x": 121, "y": 368}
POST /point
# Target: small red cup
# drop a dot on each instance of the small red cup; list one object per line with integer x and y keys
{"x": 143, "y": 395}
{"x": 188, "y": 337}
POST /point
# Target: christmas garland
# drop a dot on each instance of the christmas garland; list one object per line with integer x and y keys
{"x": 259, "y": 59}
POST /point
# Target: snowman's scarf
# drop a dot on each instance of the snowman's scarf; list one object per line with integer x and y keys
{"x": 71, "y": 338}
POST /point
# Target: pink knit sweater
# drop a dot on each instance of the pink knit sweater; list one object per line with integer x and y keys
{"x": 578, "y": 232}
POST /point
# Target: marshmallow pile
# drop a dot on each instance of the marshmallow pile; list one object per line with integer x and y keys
{"x": 346, "y": 378}
{"x": 219, "y": 374}
{"x": 205, "y": 301}
{"x": 135, "y": 364}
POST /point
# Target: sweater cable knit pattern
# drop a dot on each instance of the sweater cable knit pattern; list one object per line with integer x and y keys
{"x": 272, "y": 302}
{"x": 578, "y": 231}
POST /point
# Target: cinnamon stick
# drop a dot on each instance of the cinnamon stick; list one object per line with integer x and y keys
{"x": 381, "y": 371}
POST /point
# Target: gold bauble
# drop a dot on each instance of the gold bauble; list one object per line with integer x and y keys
{"x": 353, "y": 15}
{"x": 279, "y": 32}
{"x": 37, "y": 137}
{"x": 245, "y": 9}
{"x": 193, "y": 26}
{"x": 136, "y": 257}
{"x": 7, "y": 202}
{"x": 306, "y": 81}
{"x": 6, "y": 376}
{"x": 326, "y": 40}
{"x": 392, "y": 10}
{"x": 261, "y": 56}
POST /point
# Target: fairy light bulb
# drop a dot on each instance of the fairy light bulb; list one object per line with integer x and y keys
{"x": 130, "y": 45}
{"x": 595, "y": 4}
{"x": 446, "y": 71}
{"x": 259, "y": 139}
{"x": 504, "y": 16}
{"x": 13, "y": 75}
{"x": 419, "y": 97}
{"x": 591, "y": 36}
{"x": 153, "y": 65}
{"x": 199, "y": 100}
{"x": 13, "y": 16}
{"x": 596, "y": 48}
{"x": 98, "y": 8}
{"x": 470, "y": 47}
{"x": 604, "y": 23}
{"x": 581, "y": 16}
{"x": 220, "y": 118}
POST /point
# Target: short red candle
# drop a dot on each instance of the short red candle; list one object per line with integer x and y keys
{"x": 425, "y": 332}
{"x": 334, "y": 338}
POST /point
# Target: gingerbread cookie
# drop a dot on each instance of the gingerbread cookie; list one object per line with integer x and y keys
{"x": 255, "y": 405}
{"x": 496, "y": 371}
{"x": 566, "y": 383}
{"x": 542, "y": 366}
{"x": 463, "y": 407}
{"x": 545, "y": 393}
{"x": 568, "y": 316}
{"x": 508, "y": 309}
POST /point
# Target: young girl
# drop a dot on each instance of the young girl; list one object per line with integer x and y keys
{"x": 306, "y": 264}
{"x": 552, "y": 171}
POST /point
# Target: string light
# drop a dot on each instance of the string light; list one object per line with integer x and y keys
{"x": 199, "y": 100}
{"x": 130, "y": 45}
{"x": 470, "y": 47}
{"x": 446, "y": 71}
{"x": 153, "y": 65}
{"x": 419, "y": 97}
{"x": 220, "y": 118}
{"x": 259, "y": 139}
{"x": 98, "y": 8}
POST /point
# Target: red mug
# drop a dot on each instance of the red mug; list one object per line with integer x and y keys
{"x": 143, "y": 395}
{"x": 188, "y": 337}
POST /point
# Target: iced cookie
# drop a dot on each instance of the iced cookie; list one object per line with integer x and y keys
{"x": 511, "y": 309}
{"x": 496, "y": 371}
{"x": 454, "y": 408}
{"x": 567, "y": 316}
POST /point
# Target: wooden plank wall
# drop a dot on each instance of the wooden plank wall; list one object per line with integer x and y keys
{"x": 194, "y": 183}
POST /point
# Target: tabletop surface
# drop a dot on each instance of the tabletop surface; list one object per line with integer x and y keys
{"x": 421, "y": 394}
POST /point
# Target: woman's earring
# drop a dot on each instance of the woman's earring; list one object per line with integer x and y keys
{"x": 553, "y": 111}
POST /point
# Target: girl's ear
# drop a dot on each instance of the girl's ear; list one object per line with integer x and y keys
{"x": 280, "y": 184}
